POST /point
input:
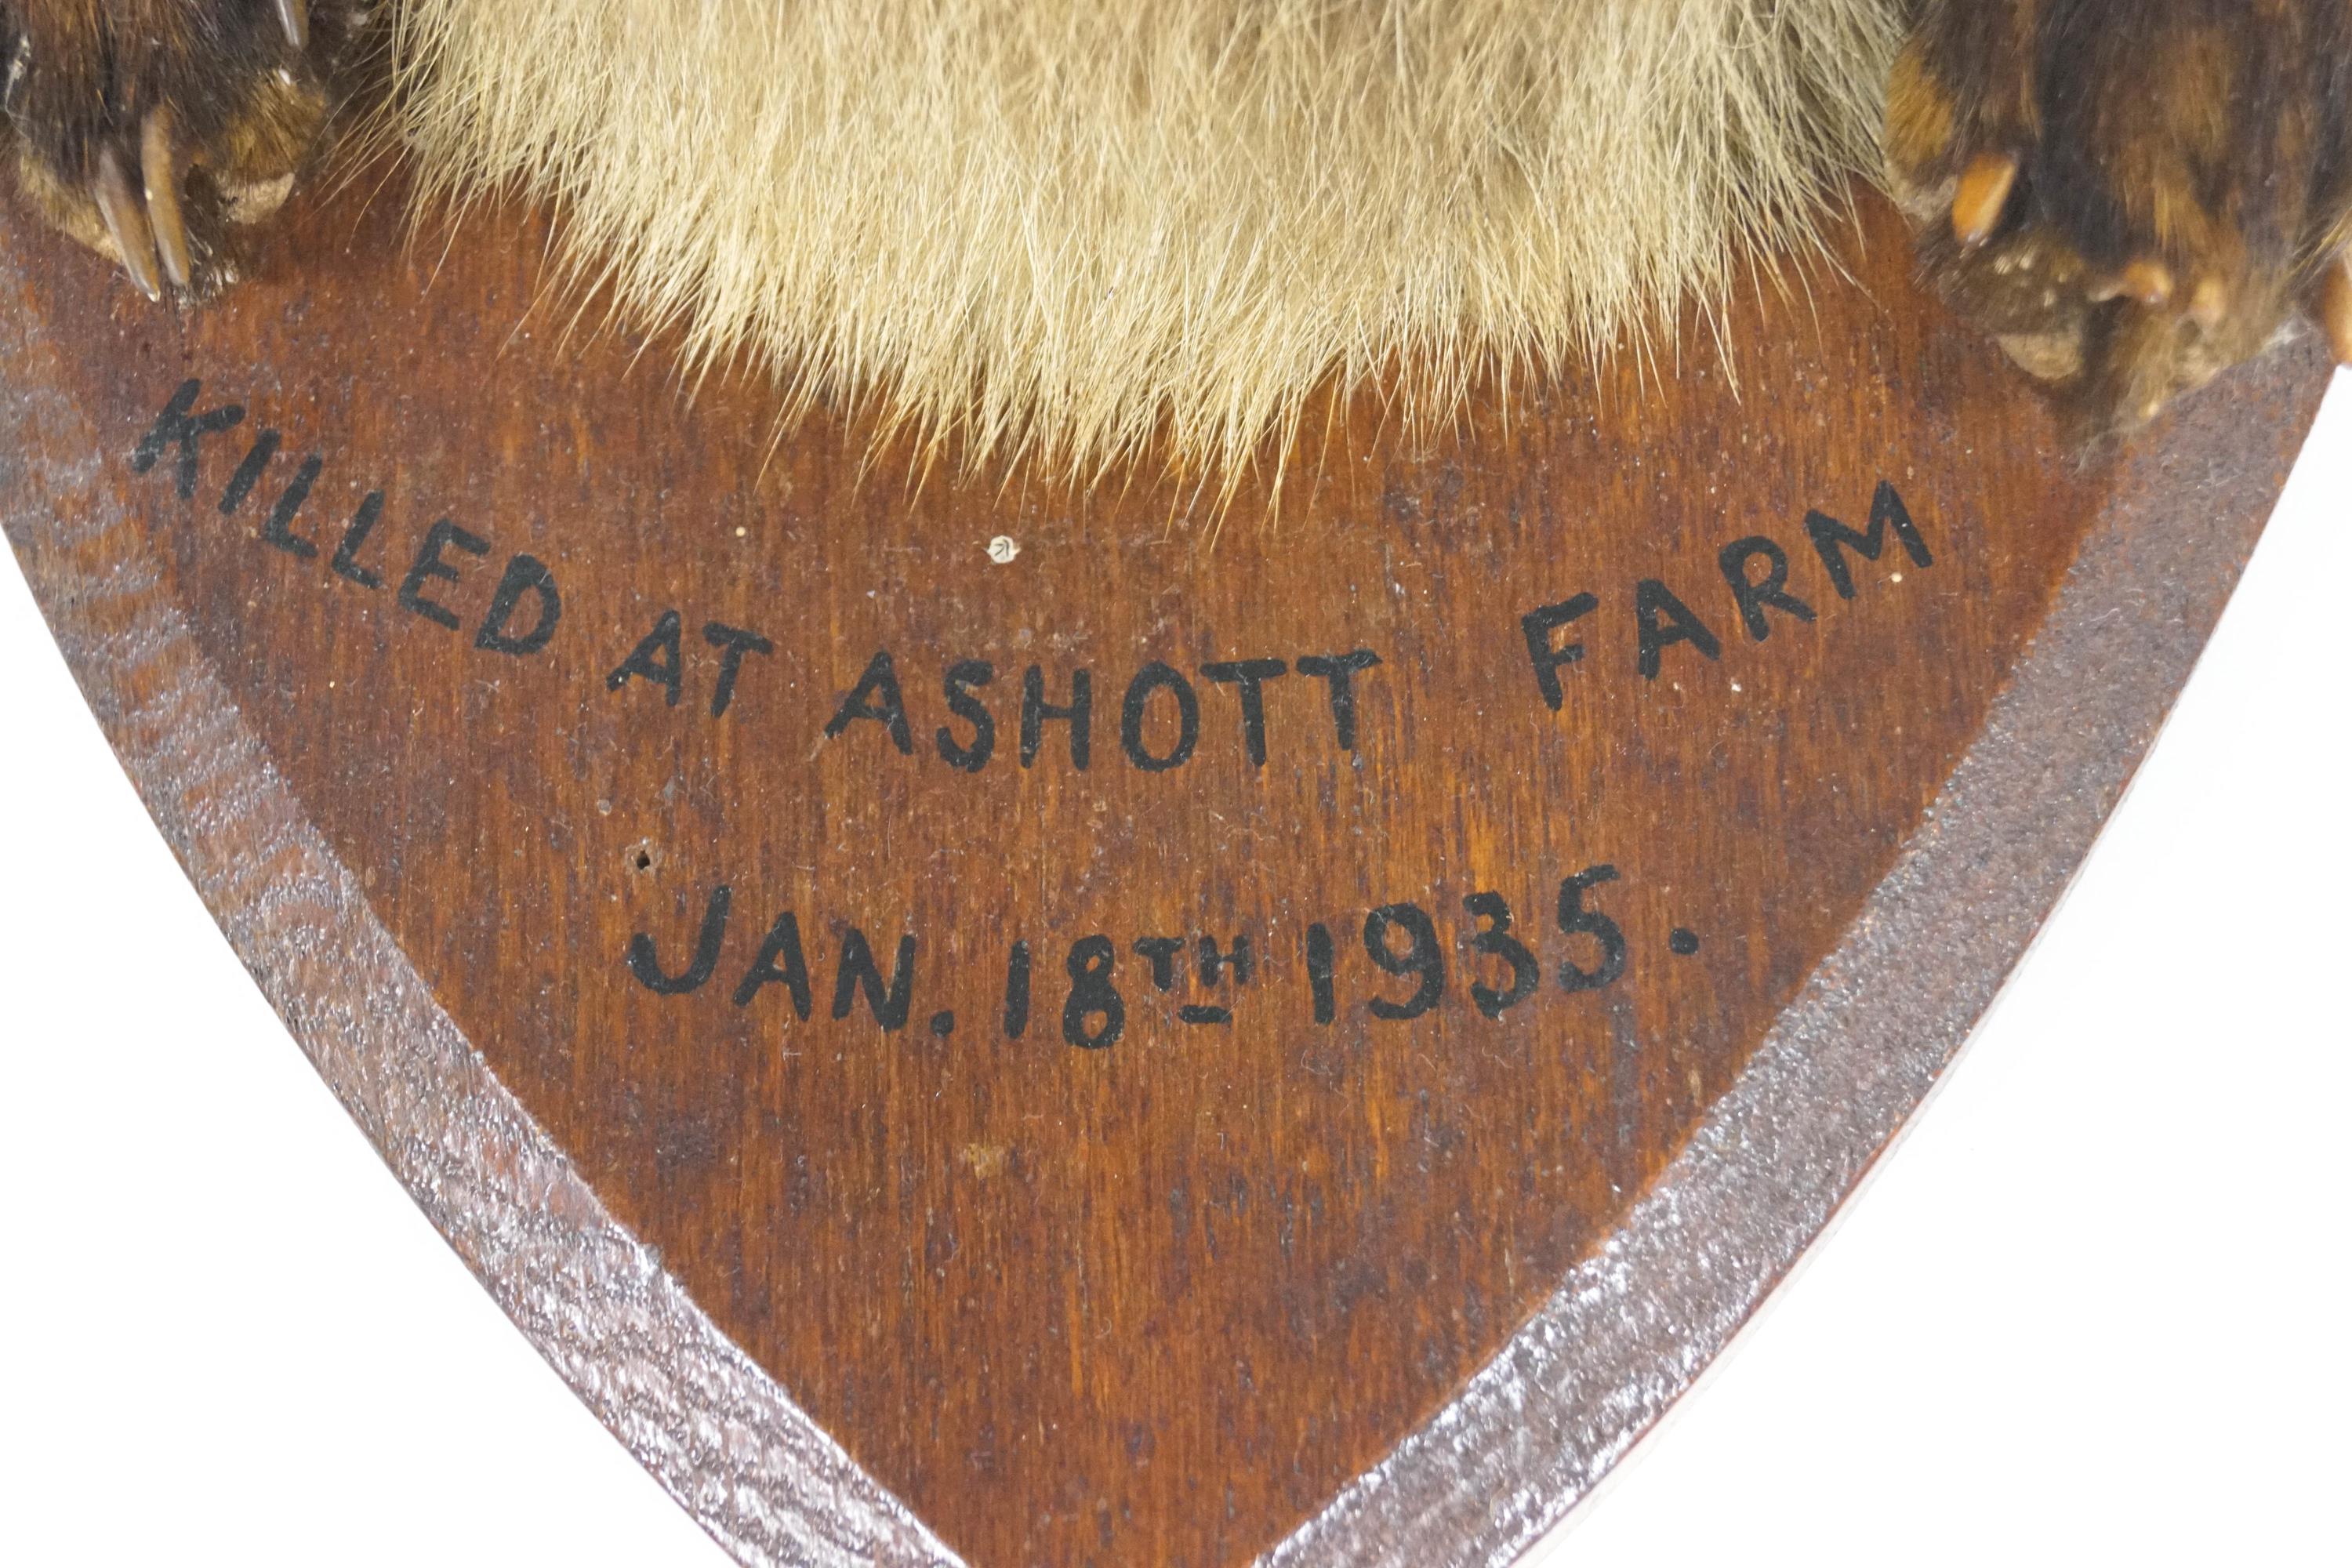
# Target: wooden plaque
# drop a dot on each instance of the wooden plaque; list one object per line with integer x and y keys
{"x": 979, "y": 1020}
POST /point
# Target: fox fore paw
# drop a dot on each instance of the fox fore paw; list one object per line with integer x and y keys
{"x": 2131, "y": 195}
{"x": 149, "y": 129}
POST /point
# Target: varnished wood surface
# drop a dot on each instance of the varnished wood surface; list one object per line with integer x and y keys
{"x": 1153, "y": 1303}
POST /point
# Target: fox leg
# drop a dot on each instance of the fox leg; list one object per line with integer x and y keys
{"x": 2131, "y": 195}
{"x": 146, "y": 128}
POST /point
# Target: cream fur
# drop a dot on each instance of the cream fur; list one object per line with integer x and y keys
{"x": 1072, "y": 227}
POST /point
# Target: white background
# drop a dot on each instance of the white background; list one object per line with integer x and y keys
{"x": 2094, "y": 1308}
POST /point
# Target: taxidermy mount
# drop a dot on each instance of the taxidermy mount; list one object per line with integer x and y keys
{"x": 1094, "y": 782}
{"x": 1070, "y": 226}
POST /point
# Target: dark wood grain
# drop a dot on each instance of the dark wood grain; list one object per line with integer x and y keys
{"x": 1157, "y": 1302}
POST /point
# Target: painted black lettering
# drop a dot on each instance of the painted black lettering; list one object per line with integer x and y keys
{"x": 1663, "y": 620}
{"x": 647, "y": 965}
{"x": 280, "y": 530}
{"x": 346, "y": 562}
{"x": 656, "y": 658}
{"x": 1320, "y": 957}
{"x": 249, "y": 472}
{"x": 1423, "y": 956}
{"x": 858, "y": 972}
{"x": 732, "y": 643}
{"x": 1340, "y": 670}
{"x": 1754, "y": 596}
{"x": 1016, "y": 992}
{"x": 1497, "y": 941}
{"x": 524, "y": 574}
{"x": 1236, "y": 957}
{"x": 1151, "y": 677}
{"x": 1092, "y": 995}
{"x": 780, "y": 961}
{"x": 1079, "y": 715}
{"x": 1248, "y": 677}
{"x": 1832, "y": 539}
{"x": 1160, "y": 953}
{"x": 962, "y": 677}
{"x": 1575, "y": 919}
{"x": 876, "y": 697}
{"x": 1550, "y": 659}
{"x": 428, "y": 565}
{"x": 179, "y": 425}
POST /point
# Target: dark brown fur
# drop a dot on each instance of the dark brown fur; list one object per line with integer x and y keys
{"x": 246, "y": 105}
{"x": 2208, "y": 142}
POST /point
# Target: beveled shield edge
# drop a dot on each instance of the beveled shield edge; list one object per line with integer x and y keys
{"x": 718, "y": 1434}
{"x": 1623, "y": 1336}
{"x": 1867, "y": 1040}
